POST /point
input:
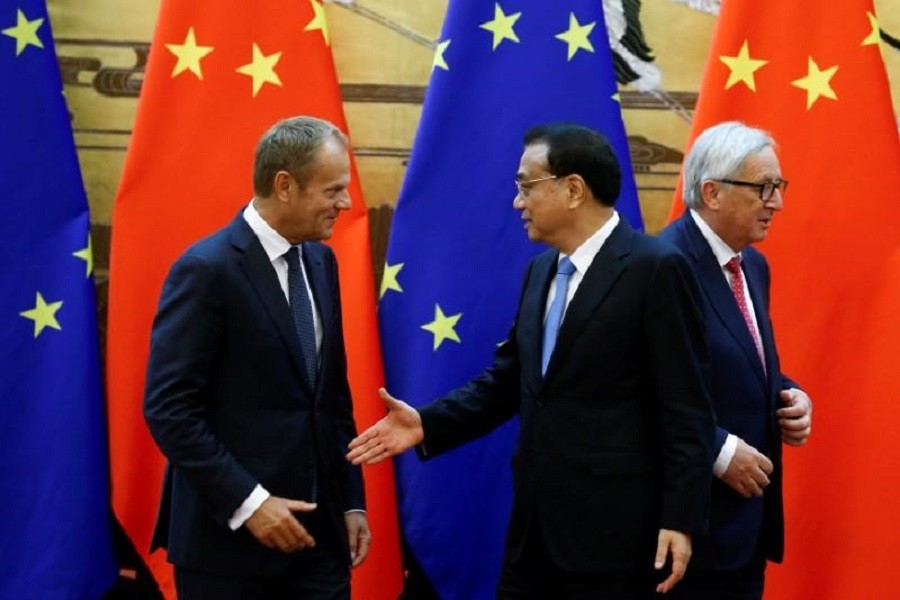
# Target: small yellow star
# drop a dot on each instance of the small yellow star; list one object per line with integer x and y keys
{"x": 502, "y": 26}
{"x": 742, "y": 68}
{"x": 189, "y": 55}
{"x": 87, "y": 255}
{"x": 25, "y": 32}
{"x": 617, "y": 97}
{"x": 439, "y": 56}
{"x": 43, "y": 314}
{"x": 874, "y": 37}
{"x": 817, "y": 83}
{"x": 576, "y": 36}
{"x": 389, "y": 279}
{"x": 442, "y": 327}
{"x": 262, "y": 69}
{"x": 319, "y": 21}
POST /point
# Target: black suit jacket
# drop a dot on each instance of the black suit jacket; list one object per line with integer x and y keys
{"x": 616, "y": 440}
{"x": 229, "y": 405}
{"x": 745, "y": 399}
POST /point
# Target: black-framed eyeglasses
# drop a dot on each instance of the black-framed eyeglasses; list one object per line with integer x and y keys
{"x": 766, "y": 188}
{"x": 524, "y": 187}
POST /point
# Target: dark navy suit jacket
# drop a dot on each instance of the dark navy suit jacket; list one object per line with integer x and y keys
{"x": 228, "y": 402}
{"x": 616, "y": 440}
{"x": 745, "y": 400}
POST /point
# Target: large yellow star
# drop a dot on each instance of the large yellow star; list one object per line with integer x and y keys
{"x": 874, "y": 37}
{"x": 25, "y": 32}
{"x": 87, "y": 255}
{"x": 262, "y": 69}
{"x": 439, "y": 56}
{"x": 389, "y": 279}
{"x": 43, "y": 314}
{"x": 576, "y": 36}
{"x": 189, "y": 55}
{"x": 442, "y": 327}
{"x": 319, "y": 21}
{"x": 742, "y": 68}
{"x": 502, "y": 26}
{"x": 817, "y": 83}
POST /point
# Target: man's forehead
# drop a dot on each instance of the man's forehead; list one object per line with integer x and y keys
{"x": 534, "y": 156}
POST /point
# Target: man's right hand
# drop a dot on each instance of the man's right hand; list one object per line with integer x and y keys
{"x": 397, "y": 432}
{"x": 748, "y": 472}
{"x": 275, "y": 526}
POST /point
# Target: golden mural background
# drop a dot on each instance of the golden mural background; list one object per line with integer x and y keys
{"x": 383, "y": 54}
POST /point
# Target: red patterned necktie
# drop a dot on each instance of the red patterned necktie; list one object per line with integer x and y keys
{"x": 737, "y": 288}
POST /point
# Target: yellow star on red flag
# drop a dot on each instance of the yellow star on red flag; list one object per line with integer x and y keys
{"x": 742, "y": 67}
{"x": 817, "y": 83}
{"x": 319, "y": 21}
{"x": 189, "y": 55}
{"x": 261, "y": 69}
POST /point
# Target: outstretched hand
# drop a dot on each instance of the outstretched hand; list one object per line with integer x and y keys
{"x": 397, "y": 432}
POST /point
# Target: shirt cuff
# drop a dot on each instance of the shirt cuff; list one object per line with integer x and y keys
{"x": 246, "y": 510}
{"x": 725, "y": 455}
{"x": 353, "y": 510}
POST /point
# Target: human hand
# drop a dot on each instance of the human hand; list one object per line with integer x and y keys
{"x": 749, "y": 470}
{"x": 275, "y": 525}
{"x": 679, "y": 546}
{"x": 359, "y": 536}
{"x": 795, "y": 419}
{"x": 397, "y": 432}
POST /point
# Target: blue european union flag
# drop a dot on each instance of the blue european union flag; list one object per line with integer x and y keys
{"x": 54, "y": 485}
{"x": 458, "y": 251}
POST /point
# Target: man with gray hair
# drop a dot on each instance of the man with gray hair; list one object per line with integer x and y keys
{"x": 733, "y": 187}
{"x": 247, "y": 392}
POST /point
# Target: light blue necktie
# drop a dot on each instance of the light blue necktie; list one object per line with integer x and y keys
{"x": 557, "y": 308}
{"x": 301, "y": 310}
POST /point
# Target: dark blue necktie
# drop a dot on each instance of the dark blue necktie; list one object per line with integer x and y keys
{"x": 301, "y": 309}
{"x": 557, "y": 308}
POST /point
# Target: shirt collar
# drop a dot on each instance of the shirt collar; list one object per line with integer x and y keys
{"x": 585, "y": 253}
{"x": 722, "y": 251}
{"x": 272, "y": 242}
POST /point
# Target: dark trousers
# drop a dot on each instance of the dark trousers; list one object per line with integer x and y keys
{"x": 312, "y": 576}
{"x": 318, "y": 573}
{"x": 745, "y": 583}
{"x": 535, "y": 577}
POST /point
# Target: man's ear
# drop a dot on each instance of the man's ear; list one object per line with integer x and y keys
{"x": 576, "y": 191}
{"x": 711, "y": 194}
{"x": 281, "y": 186}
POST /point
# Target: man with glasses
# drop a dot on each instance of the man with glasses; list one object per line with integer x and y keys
{"x": 604, "y": 366}
{"x": 733, "y": 187}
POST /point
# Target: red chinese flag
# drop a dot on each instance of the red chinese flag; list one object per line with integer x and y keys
{"x": 218, "y": 76}
{"x": 812, "y": 74}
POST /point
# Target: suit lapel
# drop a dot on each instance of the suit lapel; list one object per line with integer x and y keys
{"x": 313, "y": 263}
{"x": 531, "y": 317}
{"x": 716, "y": 288}
{"x": 259, "y": 271}
{"x": 598, "y": 281}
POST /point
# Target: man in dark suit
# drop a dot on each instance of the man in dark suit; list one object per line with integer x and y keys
{"x": 733, "y": 187}
{"x": 247, "y": 392}
{"x": 611, "y": 469}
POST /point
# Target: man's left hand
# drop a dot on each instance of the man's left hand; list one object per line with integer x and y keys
{"x": 795, "y": 419}
{"x": 679, "y": 546}
{"x": 359, "y": 536}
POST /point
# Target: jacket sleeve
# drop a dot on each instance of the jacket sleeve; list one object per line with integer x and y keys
{"x": 186, "y": 336}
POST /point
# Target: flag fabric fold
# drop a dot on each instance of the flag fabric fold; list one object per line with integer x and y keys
{"x": 814, "y": 77}
{"x": 457, "y": 250}
{"x": 55, "y": 534}
{"x": 217, "y": 78}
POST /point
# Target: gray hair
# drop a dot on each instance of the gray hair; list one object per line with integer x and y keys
{"x": 718, "y": 153}
{"x": 290, "y": 145}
